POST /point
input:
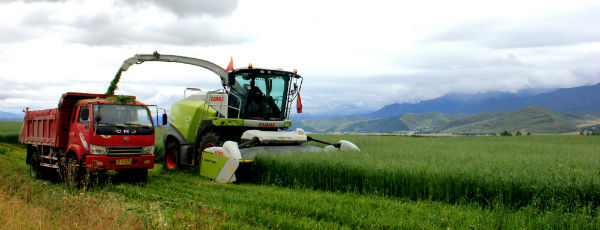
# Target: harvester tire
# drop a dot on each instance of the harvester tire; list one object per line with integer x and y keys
{"x": 210, "y": 139}
{"x": 171, "y": 156}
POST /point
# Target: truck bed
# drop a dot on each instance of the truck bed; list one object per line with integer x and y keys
{"x": 40, "y": 127}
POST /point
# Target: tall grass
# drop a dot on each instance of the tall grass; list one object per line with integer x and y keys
{"x": 547, "y": 172}
{"x": 29, "y": 204}
{"x": 159, "y": 147}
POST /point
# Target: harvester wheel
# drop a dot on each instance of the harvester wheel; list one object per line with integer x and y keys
{"x": 210, "y": 139}
{"x": 170, "y": 159}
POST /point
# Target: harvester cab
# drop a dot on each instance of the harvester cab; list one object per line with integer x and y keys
{"x": 219, "y": 129}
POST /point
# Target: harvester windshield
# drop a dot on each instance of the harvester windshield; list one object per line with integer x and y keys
{"x": 114, "y": 119}
{"x": 260, "y": 94}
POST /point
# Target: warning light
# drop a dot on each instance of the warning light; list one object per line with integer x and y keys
{"x": 295, "y": 70}
{"x": 250, "y": 66}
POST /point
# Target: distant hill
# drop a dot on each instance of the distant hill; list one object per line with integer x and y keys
{"x": 4, "y": 116}
{"x": 585, "y": 98}
{"x": 323, "y": 125}
{"x": 382, "y": 125}
{"x": 533, "y": 119}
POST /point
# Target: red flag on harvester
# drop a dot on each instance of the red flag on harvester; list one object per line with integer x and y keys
{"x": 299, "y": 104}
{"x": 230, "y": 66}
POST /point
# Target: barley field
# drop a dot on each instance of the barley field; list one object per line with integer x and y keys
{"x": 546, "y": 172}
{"x": 523, "y": 182}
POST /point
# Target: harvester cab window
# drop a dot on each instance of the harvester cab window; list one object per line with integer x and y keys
{"x": 262, "y": 95}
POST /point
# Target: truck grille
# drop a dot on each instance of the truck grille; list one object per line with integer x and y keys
{"x": 124, "y": 150}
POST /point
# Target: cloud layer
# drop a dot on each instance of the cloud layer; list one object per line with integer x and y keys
{"x": 355, "y": 56}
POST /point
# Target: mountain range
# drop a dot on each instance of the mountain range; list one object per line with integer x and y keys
{"x": 584, "y": 98}
{"x": 5, "y": 116}
{"x": 531, "y": 119}
{"x": 555, "y": 111}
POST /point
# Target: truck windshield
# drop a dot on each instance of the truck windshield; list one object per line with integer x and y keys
{"x": 115, "y": 119}
{"x": 263, "y": 96}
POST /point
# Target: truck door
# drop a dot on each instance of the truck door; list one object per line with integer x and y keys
{"x": 81, "y": 131}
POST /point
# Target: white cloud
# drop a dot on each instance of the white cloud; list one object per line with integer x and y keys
{"x": 355, "y": 56}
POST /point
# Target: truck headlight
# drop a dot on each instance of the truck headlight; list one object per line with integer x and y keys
{"x": 98, "y": 150}
{"x": 148, "y": 149}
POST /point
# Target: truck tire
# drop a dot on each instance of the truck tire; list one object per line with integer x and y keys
{"x": 72, "y": 173}
{"x": 34, "y": 165}
{"x": 171, "y": 156}
{"x": 210, "y": 139}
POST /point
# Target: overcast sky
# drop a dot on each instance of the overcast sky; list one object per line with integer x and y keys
{"x": 355, "y": 56}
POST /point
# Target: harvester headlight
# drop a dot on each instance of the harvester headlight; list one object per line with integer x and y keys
{"x": 98, "y": 150}
{"x": 148, "y": 149}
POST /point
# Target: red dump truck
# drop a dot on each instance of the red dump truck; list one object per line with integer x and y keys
{"x": 89, "y": 132}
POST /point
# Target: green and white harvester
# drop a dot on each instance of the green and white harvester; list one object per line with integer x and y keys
{"x": 217, "y": 130}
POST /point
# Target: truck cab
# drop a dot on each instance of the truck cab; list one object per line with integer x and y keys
{"x": 107, "y": 134}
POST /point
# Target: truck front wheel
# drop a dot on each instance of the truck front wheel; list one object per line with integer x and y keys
{"x": 71, "y": 172}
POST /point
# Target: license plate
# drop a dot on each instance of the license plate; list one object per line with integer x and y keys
{"x": 123, "y": 162}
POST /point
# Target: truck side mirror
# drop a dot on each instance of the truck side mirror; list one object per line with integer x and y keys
{"x": 164, "y": 119}
{"x": 97, "y": 118}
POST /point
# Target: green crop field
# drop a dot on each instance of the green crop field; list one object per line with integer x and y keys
{"x": 546, "y": 172}
{"x": 10, "y": 131}
{"x": 395, "y": 182}
{"x": 10, "y": 127}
